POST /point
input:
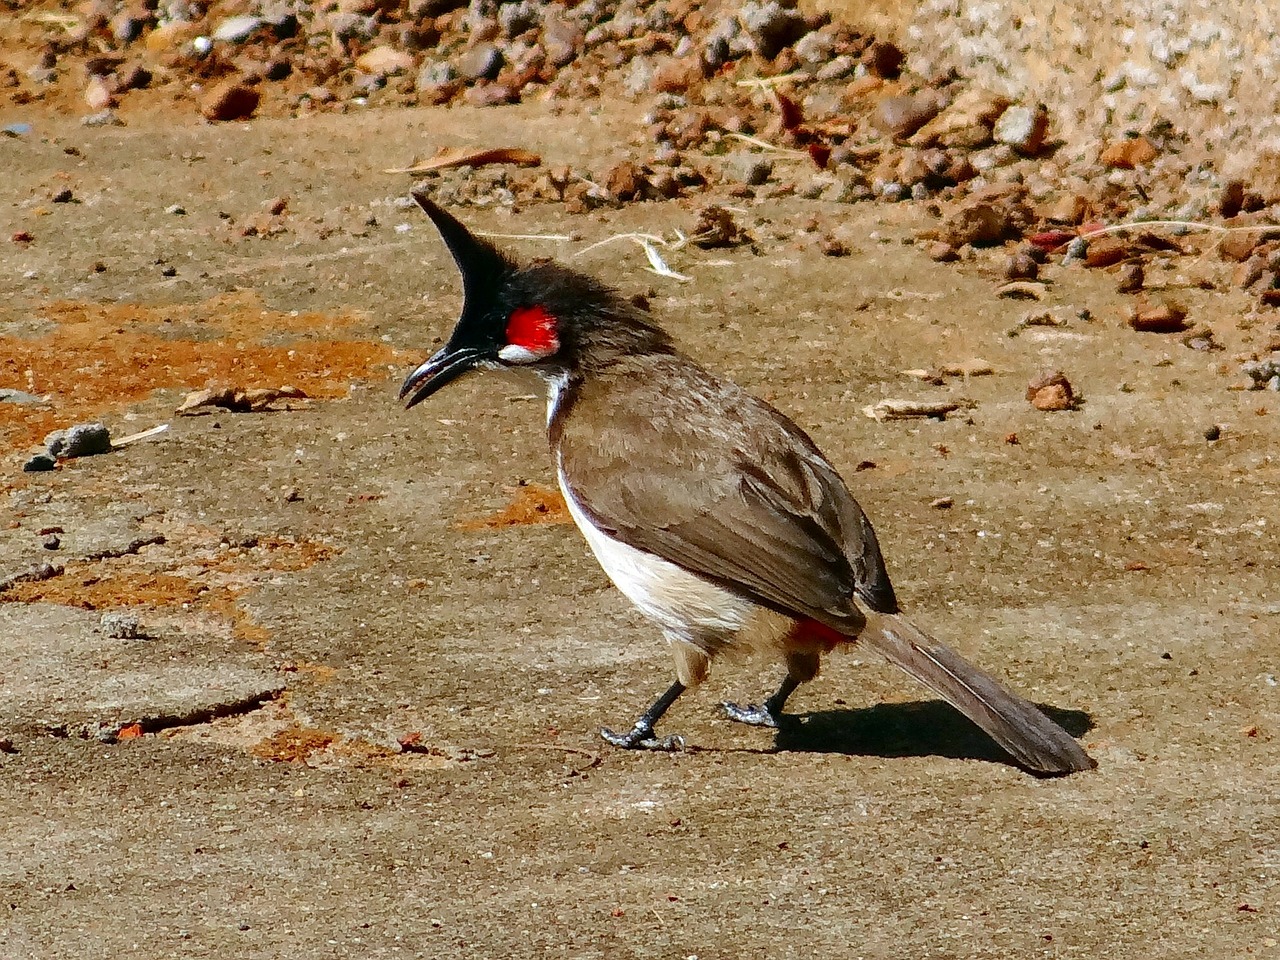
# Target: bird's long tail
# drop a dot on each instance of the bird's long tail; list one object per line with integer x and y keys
{"x": 1020, "y": 727}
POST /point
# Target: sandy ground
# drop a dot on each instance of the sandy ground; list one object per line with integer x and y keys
{"x": 361, "y": 721}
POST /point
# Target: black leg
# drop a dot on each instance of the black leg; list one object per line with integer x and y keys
{"x": 640, "y": 737}
{"x": 765, "y": 715}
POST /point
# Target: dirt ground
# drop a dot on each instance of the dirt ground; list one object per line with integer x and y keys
{"x": 361, "y": 720}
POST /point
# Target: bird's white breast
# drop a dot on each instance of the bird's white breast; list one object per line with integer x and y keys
{"x": 684, "y": 605}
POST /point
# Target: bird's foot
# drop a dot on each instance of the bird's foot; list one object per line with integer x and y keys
{"x": 641, "y": 737}
{"x": 754, "y": 714}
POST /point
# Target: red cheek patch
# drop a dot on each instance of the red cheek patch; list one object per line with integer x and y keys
{"x": 533, "y": 329}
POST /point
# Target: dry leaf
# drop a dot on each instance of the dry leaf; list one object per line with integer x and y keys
{"x": 908, "y": 409}
{"x": 236, "y": 399}
{"x": 449, "y": 157}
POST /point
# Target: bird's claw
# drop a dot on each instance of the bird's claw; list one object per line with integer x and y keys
{"x": 642, "y": 738}
{"x": 754, "y": 714}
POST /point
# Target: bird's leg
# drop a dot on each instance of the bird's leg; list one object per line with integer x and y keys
{"x": 766, "y": 714}
{"x": 641, "y": 737}
{"x": 802, "y": 666}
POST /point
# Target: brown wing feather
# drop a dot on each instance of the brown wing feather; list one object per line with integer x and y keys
{"x": 723, "y": 485}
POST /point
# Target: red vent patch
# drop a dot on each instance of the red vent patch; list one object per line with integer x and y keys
{"x": 534, "y": 330}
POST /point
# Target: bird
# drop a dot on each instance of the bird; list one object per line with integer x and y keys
{"x": 712, "y": 512}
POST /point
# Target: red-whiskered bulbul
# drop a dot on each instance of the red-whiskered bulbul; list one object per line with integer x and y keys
{"x": 715, "y": 514}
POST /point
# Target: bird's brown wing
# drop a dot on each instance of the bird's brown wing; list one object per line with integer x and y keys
{"x": 722, "y": 485}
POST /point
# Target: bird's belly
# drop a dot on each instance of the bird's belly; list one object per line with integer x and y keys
{"x": 684, "y": 605}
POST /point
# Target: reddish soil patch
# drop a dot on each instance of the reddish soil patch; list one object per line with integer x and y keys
{"x": 293, "y": 744}
{"x": 124, "y": 582}
{"x": 101, "y": 357}
{"x": 532, "y": 503}
{"x": 272, "y": 553}
{"x": 89, "y": 586}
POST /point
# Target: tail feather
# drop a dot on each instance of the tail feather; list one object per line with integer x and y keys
{"x": 1019, "y": 726}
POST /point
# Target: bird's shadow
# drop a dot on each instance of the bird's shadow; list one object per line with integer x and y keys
{"x": 927, "y": 728}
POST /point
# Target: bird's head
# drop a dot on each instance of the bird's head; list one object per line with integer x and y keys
{"x": 539, "y": 316}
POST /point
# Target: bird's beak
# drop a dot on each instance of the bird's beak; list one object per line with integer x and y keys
{"x": 444, "y": 366}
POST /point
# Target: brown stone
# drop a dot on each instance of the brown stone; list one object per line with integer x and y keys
{"x": 981, "y": 224}
{"x": 1051, "y": 391}
{"x": 901, "y": 116}
{"x": 625, "y": 182}
{"x": 491, "y": 95}
{"x": 677, "y": 75}
{"x": 385, "y": 61}
{"x": 1132, "y": 277}
{"x": 989, "y": 217}
{"x": 965, "y": 123}
{"x": 859, "y": 88}
{"x": 1021, "y": 266}
{"x": 1248, "y": 273}
{"x": 1128, "y": 154}
{"x": 229, "y": 100}
{"x": 883, "y": 59}
{"x": 1164, "y": 318}
{"x": 1107, "y": 251}
{"x": 1238, "y": 246}
{"x": 1070, "y": 208}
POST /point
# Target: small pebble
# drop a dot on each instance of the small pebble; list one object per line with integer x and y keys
{"x": 1128, "y": 154}
{"x": 750, "y": 168}
{"x": 1077, "y": 249}
{"x": 229, "y": 100}
{"x": 1021, "y": 266}
{"x": 1163, "y": 318}
{"x": 1131, "y": 278}
{"x": 39, "y": 463}
{"x": 82, "y": 440}
{"x": 1212, "y": 433}
{"x": 1023, "y": 128}
{"x": 10, "y": 395}
{"x": 980, "y": 224}
{"x": 941, "y": 251}
{"x": 1051, "y": 391}
{"x": 236, "y": 29}
{"x": 482, "y": 62}
{"x": 104, "y": 118}
{"x": 943, "y": 503}
{"x": 176, "y": 210}
{"x": 120, "y": 626}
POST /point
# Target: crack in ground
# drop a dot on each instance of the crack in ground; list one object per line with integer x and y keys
{"x": 132, "y": 547}
{"x": 112, "y": 731}
{"x": 47, "y": 570}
